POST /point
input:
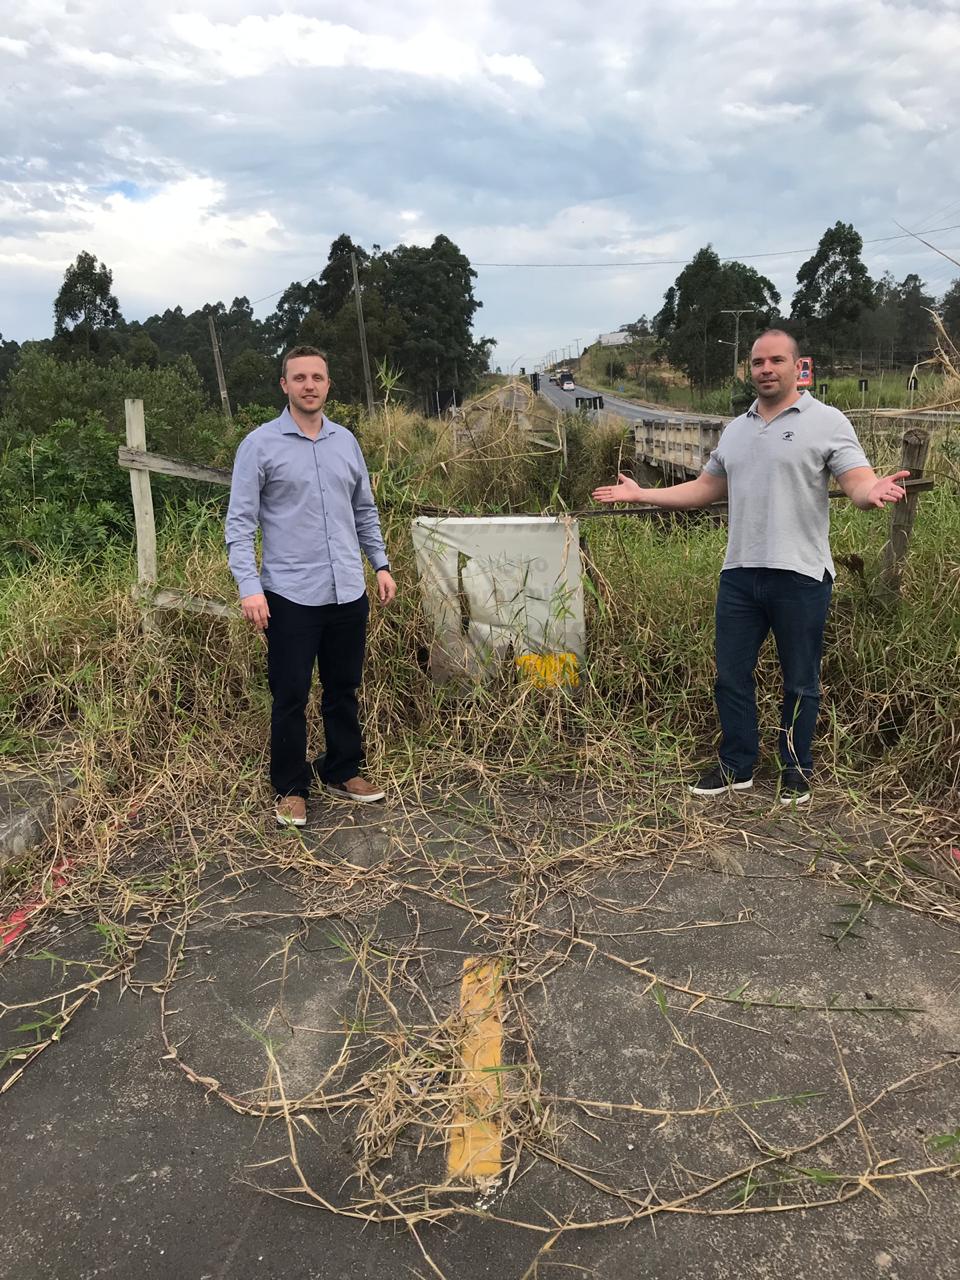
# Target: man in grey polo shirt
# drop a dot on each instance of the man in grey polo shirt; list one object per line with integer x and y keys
{"x": 773, "y": 464}
{"x": 302, "y": 479}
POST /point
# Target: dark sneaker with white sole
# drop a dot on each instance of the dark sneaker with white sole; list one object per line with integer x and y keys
{"x": 794, "y": 787}
{"x": 718, "y": 780}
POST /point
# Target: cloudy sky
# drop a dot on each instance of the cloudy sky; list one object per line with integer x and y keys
{"x": 214, "y": 148}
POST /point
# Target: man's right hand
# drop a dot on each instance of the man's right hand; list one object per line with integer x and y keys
{"x": 256, "y": 610}
{"x": 626, "y": 490}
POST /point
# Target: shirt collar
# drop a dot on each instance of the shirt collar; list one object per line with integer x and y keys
{"x": 799, "y": 406}
{"x": 289, "y": 428}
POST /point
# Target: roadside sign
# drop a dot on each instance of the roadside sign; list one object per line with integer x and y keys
{"x": 822, "y": 389}
{"x": 864, "y": 384}
{"x": 805, "y": 377}
{"x": 913, "y": 383}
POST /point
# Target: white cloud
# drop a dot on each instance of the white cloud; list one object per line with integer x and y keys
{"x": 112, "y": 66}
{"x": 256, "y": 45}
{"x": 514, "y": 66}
{"x": 17, "y": 47}
{"x": 171, "y": 246}
{"x": 894, "y": 113}
{"x": 594, "y": 233}
{"x": 765, "y": 112}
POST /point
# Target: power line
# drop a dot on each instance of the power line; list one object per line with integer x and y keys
{"x": 267, "y": 296}
{"x": 941, "y": 213}
{"x": 645, "y": 262}
{"x": 679, "y": 262}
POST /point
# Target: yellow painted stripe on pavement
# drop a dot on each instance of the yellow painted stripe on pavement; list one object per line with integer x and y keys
{"x": 475, "y": 1135}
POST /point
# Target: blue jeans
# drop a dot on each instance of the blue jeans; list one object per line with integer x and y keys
{"x": 750, "y": 603}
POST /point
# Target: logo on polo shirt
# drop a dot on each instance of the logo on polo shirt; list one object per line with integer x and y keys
{"x": 787, "y": 435}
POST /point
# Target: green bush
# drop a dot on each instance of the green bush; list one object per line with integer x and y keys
{"x": 43, "y": 390}
{"x": 63, "y": 490}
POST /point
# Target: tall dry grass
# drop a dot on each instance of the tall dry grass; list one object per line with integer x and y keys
{"x": 78, "y": 681}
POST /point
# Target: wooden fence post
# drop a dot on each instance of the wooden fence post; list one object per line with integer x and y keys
{"x": 142, "y": 513}
{"x": 916, "y": 445}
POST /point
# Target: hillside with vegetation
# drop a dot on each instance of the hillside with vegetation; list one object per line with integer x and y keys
{"x": 853, "y": 327}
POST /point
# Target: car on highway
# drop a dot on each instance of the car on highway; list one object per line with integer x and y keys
{"x": 566, "y": 382}
{"x": 553, "y": 377}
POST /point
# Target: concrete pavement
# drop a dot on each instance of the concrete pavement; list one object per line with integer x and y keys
{"x": 671, "y": 1034}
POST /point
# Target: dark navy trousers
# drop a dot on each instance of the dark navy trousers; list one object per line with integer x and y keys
{"x": 332, "y": 636}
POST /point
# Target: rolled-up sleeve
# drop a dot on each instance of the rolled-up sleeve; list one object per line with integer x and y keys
{"x": 243, "y": 516}
{"x": 365, "y": 516}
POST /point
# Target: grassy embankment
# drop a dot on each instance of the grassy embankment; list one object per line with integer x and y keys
{"x": 663, "y": 385}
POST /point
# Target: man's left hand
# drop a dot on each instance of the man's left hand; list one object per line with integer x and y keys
{"x": 886, "y": 489}
{"x": 386, "y": 587}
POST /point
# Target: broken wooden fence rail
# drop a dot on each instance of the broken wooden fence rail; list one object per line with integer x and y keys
{"x": 140, "y": 460}
{"x": 135, "y": 458}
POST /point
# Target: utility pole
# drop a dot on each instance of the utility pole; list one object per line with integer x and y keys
{"x": 221, "y": 381}
{"x": 363, "y": 335}
{"x": 743, "y": 311}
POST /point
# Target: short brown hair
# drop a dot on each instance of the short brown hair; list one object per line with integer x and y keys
{"x": 303, "y": 350}
{"x": 781, "y": 333}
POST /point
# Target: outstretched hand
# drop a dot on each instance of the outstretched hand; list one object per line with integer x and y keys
{"x": 887, "y": 490}
{"x": 625, "y": 490}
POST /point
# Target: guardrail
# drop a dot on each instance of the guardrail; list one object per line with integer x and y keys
{"x": 678, "y": 446}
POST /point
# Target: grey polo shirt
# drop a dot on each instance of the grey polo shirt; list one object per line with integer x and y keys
{"x": 313, "y": 503}
{"x": 777, "y": 475}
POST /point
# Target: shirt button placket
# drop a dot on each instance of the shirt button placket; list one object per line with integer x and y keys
{"x": 326, "y": 521}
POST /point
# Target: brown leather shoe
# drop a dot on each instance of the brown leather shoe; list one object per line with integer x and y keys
{"x": 291, "y": 811}
{"x": 357, "y": 789}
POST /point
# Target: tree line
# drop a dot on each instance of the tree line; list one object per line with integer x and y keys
{"x": 838, "y": 313}
{"x": 418, "y": 303}
{"x": 62, "y": 398}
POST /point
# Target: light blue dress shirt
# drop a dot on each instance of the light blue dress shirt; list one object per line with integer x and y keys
{"x": 313, "y": 503}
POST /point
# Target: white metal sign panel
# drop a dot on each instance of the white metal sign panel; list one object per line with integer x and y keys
{"x": 499, "y": 584}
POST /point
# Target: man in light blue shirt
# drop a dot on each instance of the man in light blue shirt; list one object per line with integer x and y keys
{"x": 773, "y": 464}
{"x": 302, "y": 480}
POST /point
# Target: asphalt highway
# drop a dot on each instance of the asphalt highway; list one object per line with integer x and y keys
{"x": 613, "y": 404}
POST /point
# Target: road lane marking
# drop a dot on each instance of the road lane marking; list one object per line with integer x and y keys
{"x": 475, "y": 1135}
